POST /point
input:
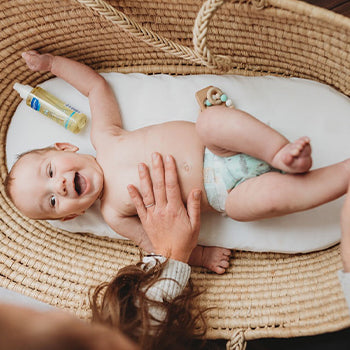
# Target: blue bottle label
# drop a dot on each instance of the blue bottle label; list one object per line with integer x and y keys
{"x": 35, "y": 104}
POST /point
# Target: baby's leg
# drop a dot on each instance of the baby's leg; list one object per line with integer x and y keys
{"x": 213, "y": 258}
{"x": 226, "y": 131}
{"x": 274, "y": 194}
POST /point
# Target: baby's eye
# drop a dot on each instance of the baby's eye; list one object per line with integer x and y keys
{"x": 52, "y": 201}
{"x": 50, "y": 171}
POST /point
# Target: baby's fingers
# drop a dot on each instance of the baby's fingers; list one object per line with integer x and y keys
{"x": 37, "y": 62}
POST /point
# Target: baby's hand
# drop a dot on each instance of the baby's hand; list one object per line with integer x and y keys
{"x": 37, "y": 62}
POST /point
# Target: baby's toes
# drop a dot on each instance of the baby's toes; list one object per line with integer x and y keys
{"x": 298, "y": 148}
{"x": 224, "y": 263}
{"x": 221, "y": 267}
{"x": 225, "y": 253}
{"x": 301, "y": 143}
{"x": 218, "y": 269}
{"x": 305, "y": 140}
{"x": 216, "y": 259}
{"x": 288, "y": 158}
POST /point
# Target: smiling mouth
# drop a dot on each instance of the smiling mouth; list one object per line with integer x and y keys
{"x": 79, "y": 184}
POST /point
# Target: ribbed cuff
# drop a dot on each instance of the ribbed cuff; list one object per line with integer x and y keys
{"x": 173, "y": 278}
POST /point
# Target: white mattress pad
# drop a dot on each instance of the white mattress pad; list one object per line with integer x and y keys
{"x": 294, "y": 107}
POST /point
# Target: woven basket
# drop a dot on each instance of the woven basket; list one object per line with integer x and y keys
{"x": 261, "y": 295}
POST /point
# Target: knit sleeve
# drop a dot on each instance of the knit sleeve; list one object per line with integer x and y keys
{"x": 344, "y": 278}
{"x": 172, "y": 281}
{"x": 171, "y": 284}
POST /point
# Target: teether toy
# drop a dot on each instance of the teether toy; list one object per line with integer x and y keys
{"x": 211, "y": 96}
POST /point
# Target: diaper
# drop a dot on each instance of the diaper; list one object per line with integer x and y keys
{"x": 222, "y": 174}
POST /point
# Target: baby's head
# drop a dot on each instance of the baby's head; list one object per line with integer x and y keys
{"x": 54, "y": 182}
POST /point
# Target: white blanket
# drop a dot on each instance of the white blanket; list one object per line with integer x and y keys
{"x": 294, "y": 107}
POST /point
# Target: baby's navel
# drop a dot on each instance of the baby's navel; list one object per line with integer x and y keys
{"x": 186, "y": 167}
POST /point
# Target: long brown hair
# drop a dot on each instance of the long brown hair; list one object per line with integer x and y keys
{"x": 123, "y": 304}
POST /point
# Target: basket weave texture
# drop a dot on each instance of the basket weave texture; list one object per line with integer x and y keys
{"x": 262, "y": 294}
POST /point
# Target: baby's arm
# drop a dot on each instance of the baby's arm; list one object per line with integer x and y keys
{"x": 103, "y": 104}
{"x": 130, "y": 227}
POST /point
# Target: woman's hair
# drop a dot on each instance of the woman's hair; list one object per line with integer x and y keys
{"x": 123, "y": 304}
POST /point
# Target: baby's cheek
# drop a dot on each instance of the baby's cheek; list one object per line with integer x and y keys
{"x": 71, "y": 162}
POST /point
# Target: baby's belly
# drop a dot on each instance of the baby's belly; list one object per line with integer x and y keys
{"x": 190, "y": 176}
{"x": 177, "y": 139}
{"x": 188, "y": 151}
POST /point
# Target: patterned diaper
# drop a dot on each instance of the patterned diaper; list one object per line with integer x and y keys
{"x": 221, "y": 174}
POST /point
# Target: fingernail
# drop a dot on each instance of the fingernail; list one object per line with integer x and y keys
{"x": 155, "y": 156}
{"x": 129, "y": 187}
{"x": 197, "y": 194}
{"x": 168, "y": 158}
{"x": 141, "y": 167}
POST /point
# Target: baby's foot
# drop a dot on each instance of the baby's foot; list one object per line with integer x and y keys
{"x": 37, "y": 62}
{"x": 295, "y": 157}
{"x": 213, "y": 258}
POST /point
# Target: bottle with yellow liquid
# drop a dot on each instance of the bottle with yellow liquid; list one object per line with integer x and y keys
{"x": 47, "y": 104}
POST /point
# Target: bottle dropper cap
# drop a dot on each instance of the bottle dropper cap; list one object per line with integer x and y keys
{"x": 23, "y": 90}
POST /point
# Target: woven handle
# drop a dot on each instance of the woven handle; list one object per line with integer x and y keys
{"x": 148, "y": 36}
{"x": 200, "y": 54}
{"x": 201, "y": 27}
{"x": 200, "y": 30}
{"x": 237, "y": 340}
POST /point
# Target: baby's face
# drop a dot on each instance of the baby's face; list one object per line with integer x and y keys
{"x": 56, "y": 184}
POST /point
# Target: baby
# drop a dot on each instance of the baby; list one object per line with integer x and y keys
{"x": 214, "y": 155}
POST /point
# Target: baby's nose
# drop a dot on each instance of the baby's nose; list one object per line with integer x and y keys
{"x": 61, "y": 188}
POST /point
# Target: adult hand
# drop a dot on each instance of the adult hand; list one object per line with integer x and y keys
{"x": 171, "y": 228}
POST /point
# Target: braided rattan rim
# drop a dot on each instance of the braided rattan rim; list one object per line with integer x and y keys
{"x": 201, "y": 53}
{"x": 262, "y": 294}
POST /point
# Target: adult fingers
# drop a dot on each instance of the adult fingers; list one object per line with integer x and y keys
{"x": 158, "y": 179}
{"x": 194, "y": 209}
{"x": 138, "y": 202}
{"x": 146, "y": 187}
{"x": 172, "y": 186}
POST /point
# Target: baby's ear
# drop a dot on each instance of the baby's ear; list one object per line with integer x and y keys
{"x": 66, "y": 146}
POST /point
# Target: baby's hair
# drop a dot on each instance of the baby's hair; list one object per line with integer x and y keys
{"x": 123, "y": 304}
{"x": 9, "y": 178}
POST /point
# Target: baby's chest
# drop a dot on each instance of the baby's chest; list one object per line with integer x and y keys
{"x": 117, "y": 177}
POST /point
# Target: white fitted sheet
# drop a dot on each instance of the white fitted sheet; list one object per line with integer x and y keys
{"x": 294, "y": 107}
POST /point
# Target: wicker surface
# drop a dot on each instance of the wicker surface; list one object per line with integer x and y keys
{"x": 261, "y": 295}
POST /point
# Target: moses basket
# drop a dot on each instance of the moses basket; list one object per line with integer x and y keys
{"x": 262, "y": 294}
